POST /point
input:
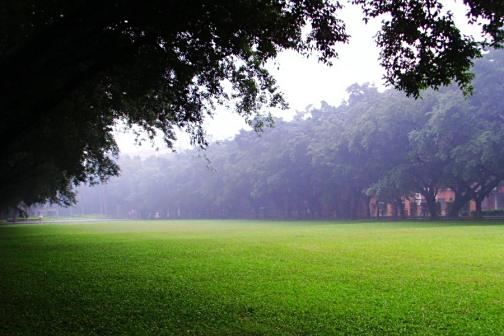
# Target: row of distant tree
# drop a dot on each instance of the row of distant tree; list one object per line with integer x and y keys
{"x": 328, "y": 162}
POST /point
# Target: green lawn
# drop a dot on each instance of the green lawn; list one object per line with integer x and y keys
{"x": 252, "y": 278}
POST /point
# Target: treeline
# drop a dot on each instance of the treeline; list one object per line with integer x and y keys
{"x": 329, "y": 162}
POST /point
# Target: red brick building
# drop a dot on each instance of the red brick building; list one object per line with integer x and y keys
{"x": 415, "y": 206}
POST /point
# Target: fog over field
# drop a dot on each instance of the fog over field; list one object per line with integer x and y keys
{"x": 378, "y": 153}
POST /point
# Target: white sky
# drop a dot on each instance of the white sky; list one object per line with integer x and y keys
{"x": 302, "y": 80}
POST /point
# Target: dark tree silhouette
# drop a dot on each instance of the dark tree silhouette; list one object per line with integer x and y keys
{"x": 71, "y": 69}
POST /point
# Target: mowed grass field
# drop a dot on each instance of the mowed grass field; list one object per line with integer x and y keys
{"x": 252, "y": 278}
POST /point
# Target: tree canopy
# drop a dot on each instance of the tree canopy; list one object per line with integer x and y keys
{"x": 330, "y": 162}
{"x": 70, "y": 70}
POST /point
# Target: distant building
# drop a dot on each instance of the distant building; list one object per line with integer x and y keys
{"x": 415, "y": 206}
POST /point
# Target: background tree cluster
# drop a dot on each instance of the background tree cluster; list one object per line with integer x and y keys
{"x": 328, "y": 162}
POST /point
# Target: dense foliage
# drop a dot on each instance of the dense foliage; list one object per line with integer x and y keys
{"x": 71, "y": 69}
{"x": 329, "y": 162}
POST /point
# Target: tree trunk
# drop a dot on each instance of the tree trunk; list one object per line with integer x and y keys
{"x": 460, "y": 201}
{"x": 400, "y": 208}
{"x": 455, "y": 207}
{"x": 368, "y": 206}
{"x": 478, "y": 213}
{"x": 432, "y": 206}
{"x": 482, "y": 193}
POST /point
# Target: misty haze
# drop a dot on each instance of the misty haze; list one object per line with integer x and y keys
{"x": 258, "y": 167}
